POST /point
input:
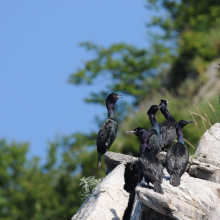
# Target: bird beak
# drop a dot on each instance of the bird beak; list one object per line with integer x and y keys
{"x": 131, "y": 132}
{"x": 118, "y": 96}
{"x": 191, "y": 122}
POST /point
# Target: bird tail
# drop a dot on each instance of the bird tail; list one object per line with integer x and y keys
{"x": 175, "y": 179}
{"x": 158, "y": 188}
{"x": 99, "y": 161}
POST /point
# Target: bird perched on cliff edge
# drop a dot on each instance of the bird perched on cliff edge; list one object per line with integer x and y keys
{"x": 177, "y": 157}
{"x": 149, "y": 165}
{"x": 108, "y": 131}
{"x": 168, "y": 127}
{"x": 155, "y": 136}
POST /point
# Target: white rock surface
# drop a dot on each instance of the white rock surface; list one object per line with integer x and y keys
{"x": 114, "y": 159}
{"x": 108, "y": 201}
{"x": 204, "y": 171}
{"x": 194, "y": 199}
{"x": 208, "y": 150}
{"x": 143, "y": 212}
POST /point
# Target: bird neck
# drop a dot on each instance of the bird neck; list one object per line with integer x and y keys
{"x": 166, "y": 113}
{"x": 111, "y": 110}
{"x": 143, "y": 138}
{"x": 143, "y": 147}
{"x": 180, "y": 135}
{"x": 154, "y": 123}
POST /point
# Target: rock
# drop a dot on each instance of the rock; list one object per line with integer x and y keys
{"x": 204, "y": 171}
{"x": 113, "y": 159}
{"x": 194, "y": 199}
{"x": 108, "y": 201}
{"x": 131, "y": 175}
{"x": 208, "y": 150}
{"x": 142, "y": 212}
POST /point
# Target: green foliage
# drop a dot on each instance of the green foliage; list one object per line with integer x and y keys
{"x": 88, "y": 185}
{"x": 29, "y": 190}
{"x": 127, "y": 68}
{"x": 194, "y": 26}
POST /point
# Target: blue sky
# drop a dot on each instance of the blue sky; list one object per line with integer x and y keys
{"x": 39, "y": 44}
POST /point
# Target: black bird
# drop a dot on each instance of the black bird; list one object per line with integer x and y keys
{"x": 149, "y": 165}
{"x": 155, "y": 137}
{"x": 177, "y": 157}
{"x": 108, "y": 131}
{"x": 168, "y": 127}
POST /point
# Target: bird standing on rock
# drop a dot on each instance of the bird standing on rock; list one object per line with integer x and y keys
{"x": 108, "y": 131}
{"x": 177, "y": 157}
{"x": 155, "y": 136}
{"x": 168, "y": 127}
{"x": 149, "y": 165}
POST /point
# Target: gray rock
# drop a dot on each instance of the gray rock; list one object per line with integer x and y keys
{"x": 208, "y": 150}
{"x": 113, "y": 159}
{"x": 194, "y": 199}
{"x": 108, "y": 201}
{"x": 142, "y": 212}
{"x": 204, "y": 171}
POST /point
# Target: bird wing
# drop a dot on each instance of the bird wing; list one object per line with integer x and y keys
{"x": 154, "y": 141}
{"x": 177, "y": 158}
{"x": 151, "y": 167}
{"x": 103, "y": 135}
{"x": 148, "y": 175}
{"x": 169, "y": 163}
{"x": 168, "y": 131}
{"x": 184, "y": 161}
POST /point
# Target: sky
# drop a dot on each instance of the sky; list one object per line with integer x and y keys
{"x": 39, "y": 49}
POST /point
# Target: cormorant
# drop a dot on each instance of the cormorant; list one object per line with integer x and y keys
{"x": 108, "y": 131}
{"x": 168, "y": 127}
{"x": 177, "y": 157}
{"x": 155, "y": 136}
{"x": 149, "y": 165}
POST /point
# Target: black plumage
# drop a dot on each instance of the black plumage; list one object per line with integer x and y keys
{"x": 168, "y": 127}
{"x": 177, "y": 157}
{"x": 150, "y": 166}
{"x": 155, "y": 137}
{"x": 108, "y": 131}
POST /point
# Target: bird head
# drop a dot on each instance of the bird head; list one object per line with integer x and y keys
{"x": 113, "y": 97}
{"x": 163, "y": 103}
{"x": 153, "y": 109}
{"x": 138, "y": 132}
{"x": 182, "y": 123}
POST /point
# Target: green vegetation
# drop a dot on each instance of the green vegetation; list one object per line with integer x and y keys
{"x": 88, "y": 185}
{"x": 174, "y": 67}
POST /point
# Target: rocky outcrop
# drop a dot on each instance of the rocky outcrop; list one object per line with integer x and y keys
{"x": 203, "y": 170}
{"x": 194, "y": 199}
{"x": 113, "y": 159}
{"x": 109, "y": 200}
{"x": 208, "y": 150}
{"x": 197, "y": 198}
